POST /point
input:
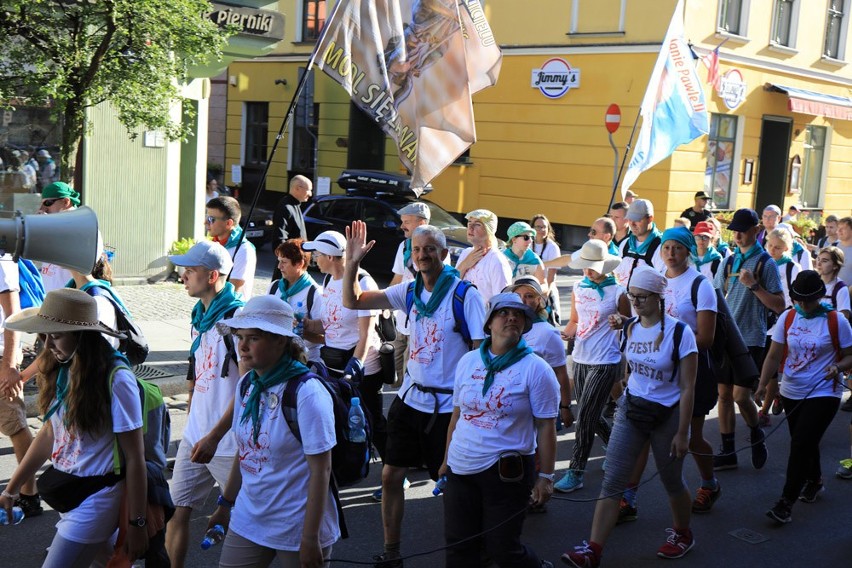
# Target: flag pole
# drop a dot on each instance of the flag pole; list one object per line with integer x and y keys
{"x": 288, "y": 117}
{"x": 624, "y": 159}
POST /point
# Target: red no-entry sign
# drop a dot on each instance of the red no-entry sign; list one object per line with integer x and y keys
{"x": 613, "y": 118}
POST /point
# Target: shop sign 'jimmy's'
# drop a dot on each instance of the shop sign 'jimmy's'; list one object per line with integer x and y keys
{"x": 555, "y": 78}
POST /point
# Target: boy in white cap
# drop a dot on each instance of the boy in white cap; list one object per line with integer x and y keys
{"x": 207, "y": 450}
{"x": 482, "y": 263}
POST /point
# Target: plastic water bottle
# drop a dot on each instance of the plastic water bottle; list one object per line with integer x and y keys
{"x": 356, "y": 432}
{"x": 213, "y": 537}
{"x": 299, "y": 328}
{"x": 17, "y": 516}
{"x": 440, "y": 485}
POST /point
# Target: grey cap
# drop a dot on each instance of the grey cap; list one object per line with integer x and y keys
{"x": 640, "y": 209}
{"x": 209, "y": 254}
{"x": 509, "y": 300}
{"x": 418, "y": 209}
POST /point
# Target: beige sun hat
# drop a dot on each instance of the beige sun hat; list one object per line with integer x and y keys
{"x": 595, "y": 255}
{"x": 63, "y": 310}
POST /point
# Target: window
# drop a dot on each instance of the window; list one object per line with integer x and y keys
{"x": 835, "y": 33}
{"x": 730, "y": 16}
{"x": 313, "y": 19}
{"x": 784, "y": 23}
{"x": 257, "y": 132}
{"x": 303, "y": 141}
{"x": 811, "y": 182}
{"x": 346, "y": 210}
{"x": 377, "y": 215}
{"x": 718, "y": 175}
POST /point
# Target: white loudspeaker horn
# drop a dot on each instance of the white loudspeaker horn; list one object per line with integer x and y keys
{"x": 68, "y": 239}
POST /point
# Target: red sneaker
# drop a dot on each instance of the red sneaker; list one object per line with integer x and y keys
{"x": 582, "y": 556}
{"x": 677, "y": 544}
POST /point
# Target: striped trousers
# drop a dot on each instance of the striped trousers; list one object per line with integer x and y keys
{"x": 592, "y": 385}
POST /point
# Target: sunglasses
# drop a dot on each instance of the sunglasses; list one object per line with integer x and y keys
{"x": 525, "y": 237}
{"x": 211, "y": 219}
{"x": 49, "y": 202}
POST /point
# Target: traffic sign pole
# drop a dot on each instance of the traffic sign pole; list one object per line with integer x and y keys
{"x": 612, "y": 120}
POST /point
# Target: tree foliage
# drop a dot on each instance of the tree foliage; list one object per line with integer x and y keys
{"x": 75, "y": 54}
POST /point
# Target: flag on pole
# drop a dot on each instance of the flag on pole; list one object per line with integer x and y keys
{"x": 673, "y": 110}
{"x": 711, "y": 61}
{"x": 412, "y": 66}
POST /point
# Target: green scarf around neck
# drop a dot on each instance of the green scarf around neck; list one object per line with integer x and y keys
{"x": 286, "y": 291}
{"x": 204, "y": 320}
{"x": 501, "y": 362}
{"x": 529, "y": 258}
{"x": 285, "y": 369}
{"x": 709, "y": 256}
{"x": 634, "y": 245}
{"x": 740, "y": 258}
{"x": 821, "y": 311}
{"x": 442, "y": 286}
{"x": 598, "y": 286}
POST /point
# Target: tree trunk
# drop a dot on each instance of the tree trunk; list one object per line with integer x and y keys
{"x": 73, "y": 126}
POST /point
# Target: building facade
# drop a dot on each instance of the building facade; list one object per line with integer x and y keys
{"x": 780, "y": 112}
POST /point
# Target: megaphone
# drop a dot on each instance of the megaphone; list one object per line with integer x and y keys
{"x": 68, "y": 239}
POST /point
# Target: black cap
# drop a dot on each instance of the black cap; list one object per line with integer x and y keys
{"x": 744, "y": 219}
{"x": 807, "y": 286}
{"x": 702, "y": 195}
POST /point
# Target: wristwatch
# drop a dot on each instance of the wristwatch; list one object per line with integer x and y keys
{"x": 754, "y": 287}
{"x": 547, "y": 476}
{"x": 137, "y": 522}
{"x": 222, "y": 502}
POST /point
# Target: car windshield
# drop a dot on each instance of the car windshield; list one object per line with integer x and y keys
{"x": 441, "y": 218}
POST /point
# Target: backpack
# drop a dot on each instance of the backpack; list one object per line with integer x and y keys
{"x": 30, "y": 284}
{"x": 350, "y": 461}
{"x": 678, "y": 335}
{"x": 647, "y": 256}
{"x": 459, "y": 294}
{"x": 720, "y": 334}
{"x": 833, "y": 331}
{"x": 134, "y": 345}
{"x": 758, "y": 272}
{"x": 837, "y": 287}
{"x": 156, "y": 424}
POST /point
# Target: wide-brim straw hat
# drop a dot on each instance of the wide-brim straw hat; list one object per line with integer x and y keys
{"x": 63, "y": 310}
{"x": 595, "y": 255}
{"x": 267, "y": 313}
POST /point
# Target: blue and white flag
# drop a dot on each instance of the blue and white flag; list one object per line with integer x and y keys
{"x": 673, "y": 110}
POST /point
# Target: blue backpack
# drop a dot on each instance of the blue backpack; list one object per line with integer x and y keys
{"x": 459, "y": 293}
{"x": 29, "y": 280}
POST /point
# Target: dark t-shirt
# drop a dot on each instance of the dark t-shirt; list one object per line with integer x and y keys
{"x": 695, "y": 217}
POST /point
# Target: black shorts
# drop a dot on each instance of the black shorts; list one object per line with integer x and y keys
{"x": 408, "y": 443}
{"x": 727, "y": 376}
{"x": 706, "y": 387}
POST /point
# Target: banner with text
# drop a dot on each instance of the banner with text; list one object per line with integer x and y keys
{"x": 412, "y": 66}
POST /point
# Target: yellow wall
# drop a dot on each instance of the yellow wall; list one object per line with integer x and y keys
{"x": 535, "y": 154}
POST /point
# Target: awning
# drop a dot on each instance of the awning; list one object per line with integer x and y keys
{"x": 813, "y": 103}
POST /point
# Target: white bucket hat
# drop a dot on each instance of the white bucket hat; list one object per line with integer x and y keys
{"x": 595, "y": 255}
{"x": 267, "y": 313}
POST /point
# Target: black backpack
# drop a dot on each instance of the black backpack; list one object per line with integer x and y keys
{"x": 647, "y": 256}
{"x": 134, "y": 345}
{"x": 758, "y": 272}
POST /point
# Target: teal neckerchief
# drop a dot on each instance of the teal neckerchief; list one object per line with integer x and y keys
{"x": 406, "y": 252}
{"x": 62, "y": 383}
{"x": 286, "y": 291}
{"x": 612, "y": 248}
{"x": 235, "y": 238}
{"x": 797, "y": 248}
{"x": 529, "y": 258}
{"x": 100, "y": 284}
{"x": 285, "y": 369}
{"x": 634, "y": 245}
{"x": 821, "y": 311}
{"x": 204, "y": 320}
{"x": 599, "y": 287}
{"x": 785, "y": 259}
{"x": 442, "y": 286}
{"x": 740, "y": 258}
{"x": 504, "y": 361}
{"x": 722, "y": 247}
{"x": 709, "y": 256}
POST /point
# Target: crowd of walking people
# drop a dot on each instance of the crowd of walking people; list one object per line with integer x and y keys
{"x": 666, "y": 325}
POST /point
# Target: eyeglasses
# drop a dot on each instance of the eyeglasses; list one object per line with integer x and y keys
{"x": 211, "y": 219}
{"x": 702, "y": 238}
{"x": 593, "y": 232}
{"x": 541, "y": 227}
{"x": 525, "y": 237}
{"x": 638, "y": 299}
{"x": 49, "y": 202}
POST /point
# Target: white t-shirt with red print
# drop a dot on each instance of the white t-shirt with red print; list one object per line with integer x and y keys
{"x": 270, "y": 507}
{"x": 678, "y": 298}
{"x": 810, "y": 352}
{"x": 212, "y": 393}
{"x": 546, "y": 342}
{"x": 434, "y": 348}
{"x": 341, "y": 323}
{"x": 596, "y": 343}
{"x": 491, "y": 274}
{"x": 503, "y": 418}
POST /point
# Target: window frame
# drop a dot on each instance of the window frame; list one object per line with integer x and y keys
{"x": 841, "y": 36}
{"x": 734, "y": 176}
{"x": 249, "y": 137}
{"x": 823, "y": 173}
{"x": 792, "y": 30}
{"x": 742, "y": 31}
{"x": 575, "y": 17}
{"x": 302, "y": 22}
